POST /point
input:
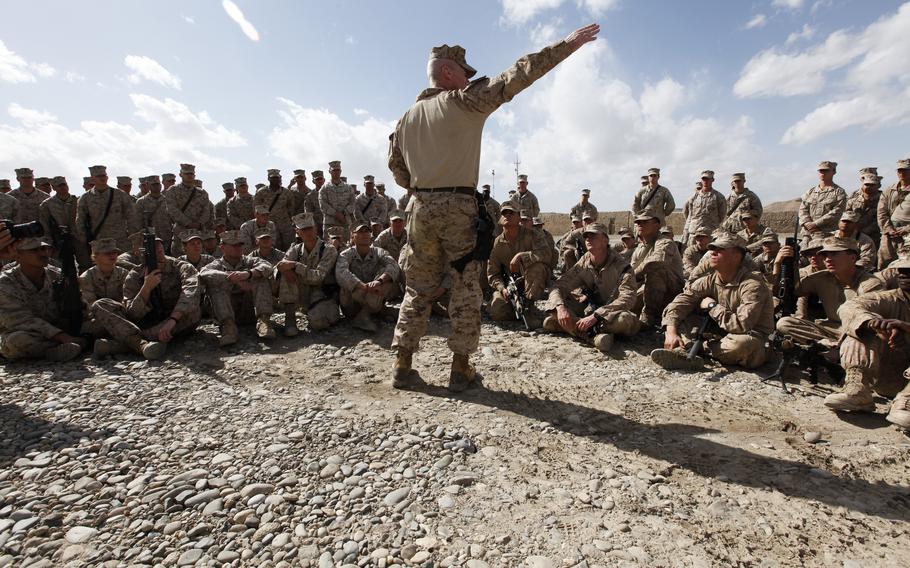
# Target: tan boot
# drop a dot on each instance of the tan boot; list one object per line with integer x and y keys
{"x": 290, "y": 321}
{"x": 856, "y": 395}
{"x": 364, "y": 322}
{"x": 462, "y": 374}
{"x": 551, "y": 324}
{"x": 264, "y": 327}
{"x": 229, "y": 333}
{"x": 603, "y": 342}
{"x": 401, "y": 371}
{"x": 152, "y": 350}
{"x": 107, "y": 347}
{"x": 900, "y": 409}
{"x": 63, "y": 352}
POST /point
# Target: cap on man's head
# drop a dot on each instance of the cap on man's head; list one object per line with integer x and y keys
{"x": 274, "y": 173}
{"x": 485, "y": 186}
{"x": 838, "y": 244}
{"x": 702, "y": 232}
{"x": 58, "y": 181}
{"x": 586, "y": 191}
{"x": 231, "y": 237}
{"x": 587, "y": 215}
{"x": 738, "y": 177}
{"x": 102, "y": 246}
{"x": 901, "y": 164}
{"x": 32, "y": 243}
{"x": 644, "y": 179}
{"x": 362, "y": 227}
{"x": 136, "y": 239}
{"x": 537, "y": 222}
{"x": 850, "y": 215}
{"x": 597, "y": 228}
{"x": 261, "y": 209}
{"x": 750, "y": 214}
{"x": 187, "y": 169}
{"x": 525, "y": 214}
{"x": 768, "y": 237}
{"x": 654, "y": 171}
{"x": 300, "y": 172}
{"x": 42, "y": 181}
{"x": 227, "y": 186}
{"x": 454, "y": 53}
{"x": 699, "y": 185}
{"x": 239, "y": 181}
{"x": 380, "y": 185}
{"x": 522, "y": 178}
{"x": 88, "y": 180}
{"x": 317, "y": 174}
{"x": 507, "y": 206}
{"x": 24, "y": 173}
{"x": 870, "y": 179}
{"x": 648, "y": 215}
{"x": 512, "y": 192}
{"x": 827, "y": 165}
{"x": 665, "y": 231}
{"x": 4, "y": 184}
{"x": 575, "y": 219}
{"x": 625, "y": 232}
{"x": 198, "y": 183}
{"x": 375, "y": 221}
{"x": 262, "y": 233}
{"x": 811, "y": 245}
{"x": 335, "y": 165}
{"x": 166, "y": 177}
{"x": 335, "y": 232}
{"x": 303, "y": 220}
{"x": 152, "y": 179}
{"x": 189, "y": 234}
{"x": 396, "y": 215}
{"x": 707, "y": 174}
{"x": 727, "y": 241}
{"x": 123, "y": 180}
{"x": 98, "y": 170}
{"x": 868, "y": 170}
{"x": 368, "y": 179}
{"x": 260, "y": 185}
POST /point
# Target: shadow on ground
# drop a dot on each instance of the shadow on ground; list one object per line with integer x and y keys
{"x": 21, "y": 433}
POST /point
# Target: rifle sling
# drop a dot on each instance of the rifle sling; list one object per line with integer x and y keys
{"x": 651, "y": 195}
{"x": 107, "y": 210}
{"x": 188, "y": 199}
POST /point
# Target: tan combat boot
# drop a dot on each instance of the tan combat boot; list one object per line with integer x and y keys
{"x": 63, "y": 352}
{"x": 855, "y": 396}
{"x": 364, "y": 322}
{"x": 290, "y": 321}
{"x": 900, "y": 409}
{"x": 551, "y": 324}
{"x": 229, "y": 333}
{"x": 264, "y": 327}
{"x": 462, "y": 374}
{"x": 603, "y": 341}
{"x": 107, "y": 347}
{"x": 401, "y": 371}
{"x": 152, "y": 350}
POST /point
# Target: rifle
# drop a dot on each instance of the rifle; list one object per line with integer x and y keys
{"x": 483, "y": 244}
{"x": 150, "y": 254}
{"x": 66, "y": 287}
{"x": 699, "y": 339}
{"x": 515, "y": 287}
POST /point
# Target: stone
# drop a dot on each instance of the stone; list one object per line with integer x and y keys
{"x": 190, "y": 557}
{"x": 812, "y": 437}
{"x": 396, "y": 496}
{"x": 80, "y": 534}
{"x": 539, "y": 562}
{"x": 254, "y": 489}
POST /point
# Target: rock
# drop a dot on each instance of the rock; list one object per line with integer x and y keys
{"x": 190, "y": 557}
{"x": 475, "y": 563}
{"x": 463, "y": 478}
{"x": 396, "y": 496}
{"x": 445, "y": 502}
{"x": 420, "y": 557}
{"x": 227, "y": 556}
{"x": 80, "y": 534}
{"x": 329, "y": 470}
{"x": 254, "y": 489}
{"x": 812, "y": 437}
{"x": 215, "y": 506}
{"x": 539, "y": 562}
{"x": 221, "y": 459}
{"x": 203, "y": 497}
{"x": 326, "y": 560}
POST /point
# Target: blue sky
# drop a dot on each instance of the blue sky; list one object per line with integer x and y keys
{"x": 769, "y": 87}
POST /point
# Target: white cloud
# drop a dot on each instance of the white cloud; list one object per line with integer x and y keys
{"x": 15, "y": 69}
{"x": 168, "y": 133}
{"x": 519, "y": 12}
{"x": 872, "y": 92}
{"x": 146, "y": 68}
{"x": 546, "y": 33}
{"x": 73, "y": 77}
{"x": 317, "y": 136}
{"x": 188, "y": 19}
{"x": 757, "y": 21}
{"x": 350, "y": 40}
{"x": 788, "y": 4}
{"x": 806, "y": 33}
{"x": 235, "y": 13}
{"x": 505, "y": 117}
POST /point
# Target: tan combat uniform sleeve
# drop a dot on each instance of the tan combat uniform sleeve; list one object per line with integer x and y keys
{"x": 686, "y": 302}
{"x": 346, "y": 279}
{"x": 804, "y": 216}
{"x": 389, "y": 265}
{"x": 627, "y": 294}
{"x": 838, "y": 205}
{"x": 540, "y": 251}
{"x": 316, "y": 276}
{"x": 136, "y": 306}
{"x": 87, "y": 289}
{"x": 189, "y": 288}
{"x": 745, "y": 316}
{"x": 570, "y": 280}
{"x": 397, "y": 164}
{"x": 15, "y": 315}
{"x": 178, "y": 217}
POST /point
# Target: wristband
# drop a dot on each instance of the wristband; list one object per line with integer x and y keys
{"x": 712, "y": 305}
{"x": 175, "y": 319}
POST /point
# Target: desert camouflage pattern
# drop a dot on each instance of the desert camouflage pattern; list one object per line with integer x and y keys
{"x": 280, "y": 213}
{"x": 29, "y": 316}
{"x": 28, "y": 204}
{"x": 822, "y": 206}
{"x": 240, "y": 209}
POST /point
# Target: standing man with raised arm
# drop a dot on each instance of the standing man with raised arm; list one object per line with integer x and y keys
{"x": 435, "y": 151}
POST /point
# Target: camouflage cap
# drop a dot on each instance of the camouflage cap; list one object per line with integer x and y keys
{"x": 260, "y": 185}
{"x": 574, "y": 219}
{"x": 750, "y": 214}
{"x": 812, "y": 245}
{"x": 239, "y": 181}
{"x": 227, "y": 185}
{"x": 101, "y": 246}
{"x": 868, "y": 170}
{"x": 136, "y": 239}
{"x": 738, "y": 177}
{"x": 168, "y": 177}
{"x": 261, "y": 233}
{"x": 303, "y": 220}
{"x": 208, "y": 235}
{"x": 152, "y": 179}
{"x": 665, "y": 231}
{"x": 699, "y": 185}
{"x": 300, "y": 173}
{"x": 727, "y": 241}
{"x": 625, "y": 232}
{"x": 231, "y": 238}
{"x": 538, "y": 222}
{"x": 274, "y": 173}
{"x": 32, "y": 243}
{"x": 707, "y": 174}
{"x": 850, "y": 215}
{"x": 58, "y": 181}
{"x": 525, "y": 214}
{"x": 335, "y": 165}
{"x": 586, "y": 191}
{"x": 362, "y": 227}
{"x": 24, "y": 172}
{"x": 198, "y": 183}
{"x": 649, "y": 214}
{"x": 368, "y": 179}
{"x": 587, "y": 215}
{"x": 903, "y": 164}
{"x": 654, "y": 171}
{"x": 522, "y": 178}
{"x": 4, "y": 183}
{"x": 317, "y": 174}
{"x": 870, "y": 179}
{"x": 187, "y": 169}
{"x": 88, "y": 181}
{"x": 98, "y": 170}
{"x": 123, "y": 180}
{"x": 335, "y": 232}
{"x": 827, "y": 165}
{"x": 380, "y": 186}
{"x": 902, "y": 262}
{"x": 42, "y": 181}
{"x": 769, "y": 236}
{"x": 644, "y": 179}
{"x": 597, "y": 228}
{"x": 702, "y": 231}
{"x": 220, "y": 222}
{"x": 508, "y": 206}
{"x": 189, "y": 234}
{"x": 396, "y": 215}
{"x": 454, "y": 53}
{"x": 261, "y": 210}
{"x": 838, "y": 244}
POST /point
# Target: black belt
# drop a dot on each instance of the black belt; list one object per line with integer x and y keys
{"x": 464, "y": 190}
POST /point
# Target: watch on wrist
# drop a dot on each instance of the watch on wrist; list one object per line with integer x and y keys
{"x": 712, "y": 305}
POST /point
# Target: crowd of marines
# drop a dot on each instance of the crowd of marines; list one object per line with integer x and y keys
{"x": 328, "y": 252}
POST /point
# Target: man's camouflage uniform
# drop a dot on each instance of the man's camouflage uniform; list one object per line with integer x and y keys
{"x": 240, "y": 209}
{"x": 337, "y": 199}
{"x": 28, "y": 204}
{"x": 704, "y": 209}
{"x": 29, "y": 316}
{"x": 534, "y": 253}
{"x": 152, "y": 213}
{"x": 187, "y": 205}
{"x": 352, "y": 270}
{"x": 229, "y": 301}
{"x": 822, "y": 206}
{"x": 93, "y": 285}
{"x": 314, "y": 290}
{"x": 659, "y": 273}
{"x": 119, "y": 223}
{"x": 279, "y": 213}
